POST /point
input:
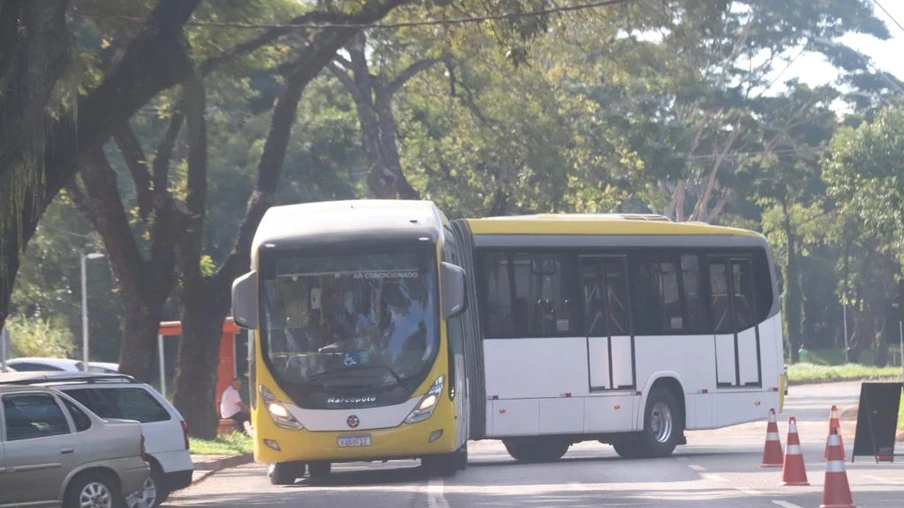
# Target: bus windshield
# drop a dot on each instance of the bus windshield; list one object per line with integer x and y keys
{"x": 351, "y": 322}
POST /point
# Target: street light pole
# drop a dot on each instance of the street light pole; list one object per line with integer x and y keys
{"x": 844, "y": 312}
{"x": 84, "y": 259}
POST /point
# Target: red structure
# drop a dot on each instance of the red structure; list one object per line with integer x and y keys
{"x": 226, "y": 368}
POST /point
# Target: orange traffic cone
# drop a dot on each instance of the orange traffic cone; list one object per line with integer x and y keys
{"x": 793, "y": 470}
{"x": 837, "y": 492}
{"x": 772, "y": 451}
{"x": 835, "y": 424}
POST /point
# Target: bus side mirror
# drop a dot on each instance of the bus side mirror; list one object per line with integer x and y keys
{"x": 453, "y": 284}
{"x": 244, "y": 300}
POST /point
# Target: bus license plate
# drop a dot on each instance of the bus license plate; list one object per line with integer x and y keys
{"x": 354, "y": 441}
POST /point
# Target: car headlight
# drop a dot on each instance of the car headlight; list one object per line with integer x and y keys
{"x": 278, "y": 411}
{"x": 425, "y": 407}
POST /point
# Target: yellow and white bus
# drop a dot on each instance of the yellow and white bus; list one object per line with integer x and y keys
{"x": 357, "y": 312}
{"x": 627, "y": 329}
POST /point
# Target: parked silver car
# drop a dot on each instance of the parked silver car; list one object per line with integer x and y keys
{"x": 55, "y": 452}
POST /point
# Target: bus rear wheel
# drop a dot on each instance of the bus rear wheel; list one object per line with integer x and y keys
{"x": 285, "y": 473}
{"x": 537, "y": 449}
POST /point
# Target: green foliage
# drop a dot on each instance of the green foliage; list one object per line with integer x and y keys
{"x": 865, "y": 175}
{"x": 38, "y": 336}
{"x": 809, "y": 373}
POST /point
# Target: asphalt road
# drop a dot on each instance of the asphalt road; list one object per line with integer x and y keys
{"x": 717, "y": 468}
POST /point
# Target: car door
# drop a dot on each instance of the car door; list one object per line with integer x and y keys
{"x": 39, "y": 449}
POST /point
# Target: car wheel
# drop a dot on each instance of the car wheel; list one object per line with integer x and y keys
{"x": 93, "y": 490}
{"x": 285, "y": 473}
{"x": 152, "y": 494}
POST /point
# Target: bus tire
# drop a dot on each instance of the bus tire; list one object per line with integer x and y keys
{"x": 319, "y": 469}
{"x": 628, "y": 447}
{"x": 663, "y": 424}
{"x": 285, "y": 473}
{"x": 443, "y": 465}
{"x": 463, "y": 457}
{"x": 538, "y": 449}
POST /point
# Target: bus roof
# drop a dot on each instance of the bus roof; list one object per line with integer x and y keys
{"x": 596, "y": 224}
{"x": 346, "y": 221}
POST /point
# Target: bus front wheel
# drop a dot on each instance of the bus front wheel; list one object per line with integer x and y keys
{"x": 444, "y": 465}
{"x": 285, "y": 473}
{"x": 319, "y": 469}
{"x": 537, "y": 449}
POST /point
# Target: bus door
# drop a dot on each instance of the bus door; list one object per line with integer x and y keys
{"x": 610, "y": 342}
{"x": 733, "y": 314}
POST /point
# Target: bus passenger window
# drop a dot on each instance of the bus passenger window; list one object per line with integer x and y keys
{"x": 690, "y": 278}
{"x": 529, "y": 295}
{"x": 500, "y": 320}
{"x": 718, "y": 283}
{"x": 743, "y": 294}
{"x": 657, "y": 302}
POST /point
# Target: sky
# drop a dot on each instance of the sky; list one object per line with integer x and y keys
{"x": 887, "y": 55}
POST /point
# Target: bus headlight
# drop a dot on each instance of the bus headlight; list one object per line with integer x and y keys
{"x": 428, "y": 403}
{"x": 278, "y": 411}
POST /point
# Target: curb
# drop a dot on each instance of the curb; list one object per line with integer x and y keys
{"x": 205, "y": 469}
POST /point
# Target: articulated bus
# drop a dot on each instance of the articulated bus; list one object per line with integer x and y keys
{"x": 384, "y": 331}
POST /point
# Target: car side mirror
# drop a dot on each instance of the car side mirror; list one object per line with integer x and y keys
{"x": 452, "y": 278}
{"x": 244, "y": 301}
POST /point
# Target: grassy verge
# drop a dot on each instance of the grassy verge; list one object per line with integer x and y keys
{"x": 901, "y": 413}
{"x": 224, "y": 444}
{"x": 809, "y": 373}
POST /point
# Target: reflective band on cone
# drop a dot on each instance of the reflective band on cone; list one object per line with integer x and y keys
{"x": 837, "y": 492}
{"x": 834, "y": 423}
{"x": 772, "y": 451}
{"x": 793, "y": 470}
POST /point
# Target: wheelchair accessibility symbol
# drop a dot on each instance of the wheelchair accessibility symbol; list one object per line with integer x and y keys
{"x": 349, "y": 360}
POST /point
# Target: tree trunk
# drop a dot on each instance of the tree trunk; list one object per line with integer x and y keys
{"x": 793, "y": 304}
{"x": 136, "y": 353}
{"x": 205, "y": 308}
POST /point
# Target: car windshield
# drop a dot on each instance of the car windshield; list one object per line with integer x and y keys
{"x": 353, "y": 321}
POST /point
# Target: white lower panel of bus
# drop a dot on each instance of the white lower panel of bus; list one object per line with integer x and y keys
{"x": 369, "y": 418}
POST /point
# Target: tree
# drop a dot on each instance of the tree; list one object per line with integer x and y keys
{"x": 206, "y": 298}
{"x": 44, "y": 140}
{"x": 864, "y": 175}
{"x": 38, "y": 336}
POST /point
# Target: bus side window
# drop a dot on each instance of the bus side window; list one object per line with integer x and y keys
{"x": 690, "y": 274}
{"x": 500, "y": 321}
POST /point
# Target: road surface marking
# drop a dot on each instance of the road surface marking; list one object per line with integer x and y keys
{"x": 697, "y": 468}
{"x": 749, "y": 492}
{"x": 786, "y": 504}
{"x": 886, "y": 481}
{"x": 435, "y": 497}
{"x": 715, "y": 477}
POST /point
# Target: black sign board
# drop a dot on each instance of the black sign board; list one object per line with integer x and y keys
{"x": 877, "y": 420}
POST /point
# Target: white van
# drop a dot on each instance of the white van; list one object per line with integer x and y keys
{"x": 121, "y": 397}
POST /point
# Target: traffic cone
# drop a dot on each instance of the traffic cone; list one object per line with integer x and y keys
{"x": 793, "y": 470}
{"x": 835, "y": 424}
{"x": 836, "y": 493}
{"x": 772, "y": 451}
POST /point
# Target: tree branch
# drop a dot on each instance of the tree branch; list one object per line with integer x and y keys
{"x": 131, "y": 150}
{"x": 399, "y": 81}
{"x": 163, "y": 156}
{"x": 347, "y": 82}
{"x": 112, "y": 221}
